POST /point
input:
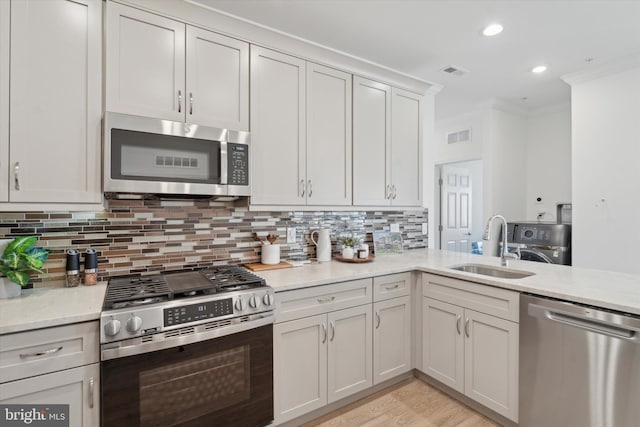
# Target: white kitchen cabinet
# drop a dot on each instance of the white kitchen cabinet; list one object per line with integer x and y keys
{"x": 406, "y": 148}
{"x": 300, "y": 366}
{"x": 371, "y": 142}
{"x": 391, "y": 338}
{"x": 301, "y": 122}
{"x": 470, "y": 341}
{"x": 387, "y": 145}
{"x": 328, "y": 142}
{"x": 159, "y": 67}
{"x": 51, "y": 105}
{"x": 322, "y": 346}
{"x": 58, "y": 365}
{"x": 77, "y": 387}
{"x": 349, "y": 352}
{"x": 277, "y": 128}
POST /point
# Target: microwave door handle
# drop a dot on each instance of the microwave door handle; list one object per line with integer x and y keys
{"x": 223, "y": 163}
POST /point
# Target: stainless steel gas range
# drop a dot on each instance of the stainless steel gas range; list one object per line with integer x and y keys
{"x": 190, "y": 348}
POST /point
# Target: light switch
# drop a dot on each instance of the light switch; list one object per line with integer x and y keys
{"x": 291, "y": 235}
{"x": 395, "y": 228}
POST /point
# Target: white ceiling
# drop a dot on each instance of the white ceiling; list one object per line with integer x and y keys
{"x": 420, "y": 37}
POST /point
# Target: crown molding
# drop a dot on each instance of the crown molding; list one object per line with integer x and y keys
{"x": 612, "y": 67}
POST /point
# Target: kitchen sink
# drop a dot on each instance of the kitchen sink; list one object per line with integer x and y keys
{"x": 489, "y": 270}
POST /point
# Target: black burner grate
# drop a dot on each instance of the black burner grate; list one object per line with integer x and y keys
{"x": 126, "y": 291}
{"x": 227, "y": 278}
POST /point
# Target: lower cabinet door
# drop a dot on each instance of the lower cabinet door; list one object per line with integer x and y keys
{"x": 349, "y": 352}
{"x": 491, "y": 362}
{"x": 391, "y": 338}
{"x": 77, "y": 387}
{"x": 443, "y": 342}
{"x": 300, "y": 366}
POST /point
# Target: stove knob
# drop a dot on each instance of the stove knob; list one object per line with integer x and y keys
{"x": 254, "y": 302}
{"x": 241, "y": 304}
{"x": 268, "y": 299}
{"x": 134, "y": 323}
{"x": 112, "y": 327}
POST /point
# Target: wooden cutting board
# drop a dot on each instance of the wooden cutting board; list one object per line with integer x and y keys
{"x": 262, "y": 267}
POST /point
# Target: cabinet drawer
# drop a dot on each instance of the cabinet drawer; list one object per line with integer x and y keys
{"x": 483, "y": 298}
{"x": 31, "y": 353}
{"x": 322, "y": 299}
{"x": 391, "y": 286}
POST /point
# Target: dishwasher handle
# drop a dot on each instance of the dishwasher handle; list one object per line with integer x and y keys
{"x": 601, "y": 322}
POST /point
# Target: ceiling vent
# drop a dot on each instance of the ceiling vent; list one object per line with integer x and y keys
{"x": 454, "y": 71}
{"x": 460, "y": 136}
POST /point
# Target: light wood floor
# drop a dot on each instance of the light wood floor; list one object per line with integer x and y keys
{"x": 413, "y": 404}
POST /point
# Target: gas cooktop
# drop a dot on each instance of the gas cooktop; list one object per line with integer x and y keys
{"x": 135, "y": 291}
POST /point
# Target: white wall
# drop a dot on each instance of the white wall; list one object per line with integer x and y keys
{"x": 548, "y": 161}
{"x": 504, "y": 164}
{"x": 460, "y": 151}
{"x": 606, "y": 171}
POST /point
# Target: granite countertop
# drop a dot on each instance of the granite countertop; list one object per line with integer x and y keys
{"x": 616, "y": 291}
{"x": 46, "y": 307}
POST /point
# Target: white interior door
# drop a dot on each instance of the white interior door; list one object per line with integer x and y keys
{"x": 455, "y": 206}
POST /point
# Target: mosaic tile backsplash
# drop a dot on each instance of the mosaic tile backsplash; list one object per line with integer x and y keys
{"x": 145, "y": 236}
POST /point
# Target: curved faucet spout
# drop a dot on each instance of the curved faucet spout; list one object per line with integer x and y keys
{"x": 506, "y": 256}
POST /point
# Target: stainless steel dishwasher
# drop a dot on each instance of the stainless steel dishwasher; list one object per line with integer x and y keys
{"x": 579, "y": 365}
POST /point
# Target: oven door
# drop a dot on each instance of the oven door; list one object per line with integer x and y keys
{"x": 226, "y": 381}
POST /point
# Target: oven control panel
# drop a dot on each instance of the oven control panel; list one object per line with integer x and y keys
{"x": 194, "y": 312}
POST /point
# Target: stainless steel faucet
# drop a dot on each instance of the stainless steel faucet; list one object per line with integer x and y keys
{"x": 506, "y": 256}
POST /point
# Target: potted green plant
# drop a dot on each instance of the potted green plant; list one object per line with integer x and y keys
{"x": 19, "y": 259}
{"x": 348, "y": 245}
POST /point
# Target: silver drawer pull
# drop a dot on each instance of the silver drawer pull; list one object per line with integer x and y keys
{"x": 179, "y": 101}
{"x": 91, "y": 393}
{"x": 17, "y": 177}
{"x": 41, "y": 353}
{"x": 378, "y": 318}
{"x": 458, "y": 324}
{"x": 333, "y": 330}
{"x": 328, "y": 299}
{"x": 396, "y": 286}
{"x": 324, "y": 333}
{"x": 466, "y": 328}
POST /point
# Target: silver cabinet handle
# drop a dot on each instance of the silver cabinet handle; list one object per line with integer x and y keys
{"x": 378, "y": 318}
{"x": 179, "y": 101}
{"x": 303, "y": 187}
{"x": 392, "y": 287}
{"x": 458, "y": 324}
{"x": 191, "y": 103}
{"x": 394, "y": 192}
{"x": 310, "y": 189}
{"x": 41, "y": 353}
{"x": 327, "y": 299}
{"x": 388, "y": 192}
{"x": 91, "y": 393}
{"x": 16, "y": 178}
{"x": 324, "y": 333}
{"x": 466, "y": 327}
{"x": 333, "y": 331}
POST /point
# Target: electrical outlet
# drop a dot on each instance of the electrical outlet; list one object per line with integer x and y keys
{"x": 395, "y": 228}
{"x": 291, "y": 235}
{"x": 425, "y": 228}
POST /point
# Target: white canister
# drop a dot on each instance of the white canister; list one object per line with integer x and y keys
{"x": 270, "y": 254}
{"x": 363, "y": 250}
{"x": 347, "y": 252}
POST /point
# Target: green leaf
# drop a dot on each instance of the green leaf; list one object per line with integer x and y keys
{"x": 21, "y": 244}
{"x": 11, "y": 260}
{"x": 19, "y": 277}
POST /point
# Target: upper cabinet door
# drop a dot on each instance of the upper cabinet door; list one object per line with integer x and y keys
{"x": 5, "y": 37}
{"x": 55, "y": 101}
{"x": 371, "y": 138}
{"x": 145, "y": 64}
{"x": 277, "y": 128}
{"x": 217, "y": 80}
{"x": 328, "y": 136}
{"x": 406, "y": 148}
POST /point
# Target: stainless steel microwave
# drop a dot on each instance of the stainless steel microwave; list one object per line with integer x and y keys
{"x": 151, "y": 156}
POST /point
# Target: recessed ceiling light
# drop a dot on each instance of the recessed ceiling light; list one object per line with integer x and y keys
{"x": 492, "y": 30}
{"x": 539, "y": 69}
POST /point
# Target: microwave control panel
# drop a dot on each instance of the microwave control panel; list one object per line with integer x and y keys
{"x": 238, "y": 164}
